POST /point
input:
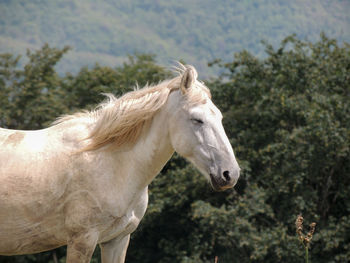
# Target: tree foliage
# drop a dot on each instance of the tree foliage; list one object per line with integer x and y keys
{"x": 287, "y": 117}
{"x": 29, "y": 96}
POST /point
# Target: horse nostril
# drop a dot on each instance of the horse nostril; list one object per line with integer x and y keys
{"x": 226, "y": 175}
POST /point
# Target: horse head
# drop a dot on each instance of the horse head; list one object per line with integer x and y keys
{"x": 197, "y": 133}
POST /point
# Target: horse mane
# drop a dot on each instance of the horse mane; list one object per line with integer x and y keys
{"x": 119, "y": 121}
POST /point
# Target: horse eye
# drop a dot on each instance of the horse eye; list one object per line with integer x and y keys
{"x": 197, "y": 121}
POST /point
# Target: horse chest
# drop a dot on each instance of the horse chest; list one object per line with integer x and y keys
{"x": 126, "y": 223}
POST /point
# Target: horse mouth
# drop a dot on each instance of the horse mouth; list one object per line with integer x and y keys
{"x": 219, "y": 184}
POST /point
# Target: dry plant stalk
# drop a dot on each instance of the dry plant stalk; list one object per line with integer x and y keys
{"x": 304, "y": 239}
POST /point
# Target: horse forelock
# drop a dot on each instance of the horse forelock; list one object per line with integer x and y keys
{"x": 119, "y": 121}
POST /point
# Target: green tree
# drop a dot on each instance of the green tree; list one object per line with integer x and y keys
{"x": 8, "y": 73}
{"x": 288, "y": 117}
{"x": 31, "y": 98}
{"x": 87, "y": 87}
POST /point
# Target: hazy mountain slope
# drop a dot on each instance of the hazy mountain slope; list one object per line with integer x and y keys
{"x": 197, "y": 31}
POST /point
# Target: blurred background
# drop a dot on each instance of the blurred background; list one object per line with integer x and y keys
{"x": 278, "y": 70}
{"x": 197, "y": 31}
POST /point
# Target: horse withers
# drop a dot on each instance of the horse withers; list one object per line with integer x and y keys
{"x": 84, "y": 180}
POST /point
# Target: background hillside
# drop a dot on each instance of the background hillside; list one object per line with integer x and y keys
{"x": 195, "y": 31}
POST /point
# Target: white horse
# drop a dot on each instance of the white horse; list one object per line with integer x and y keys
{"x": 84, "y": 180}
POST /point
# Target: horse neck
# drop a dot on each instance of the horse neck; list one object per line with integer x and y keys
{"x": 152, "y": 150}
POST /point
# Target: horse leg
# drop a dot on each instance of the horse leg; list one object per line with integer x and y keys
{"x": 114, "y": 251}
{"x": 81, "y": 247}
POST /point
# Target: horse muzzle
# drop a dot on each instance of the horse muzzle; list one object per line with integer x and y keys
{"x": 224, "y": 180}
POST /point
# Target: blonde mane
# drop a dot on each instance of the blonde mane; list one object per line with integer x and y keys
{"x": 119, "y": 121}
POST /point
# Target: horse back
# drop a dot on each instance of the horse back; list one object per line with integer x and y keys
{"x": 34, "y": 166}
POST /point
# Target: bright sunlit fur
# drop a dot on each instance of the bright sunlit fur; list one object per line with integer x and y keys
{"x": 119, "y": 121}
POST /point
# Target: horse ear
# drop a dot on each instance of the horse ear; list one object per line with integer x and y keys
{"x": 189, "y": 77}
